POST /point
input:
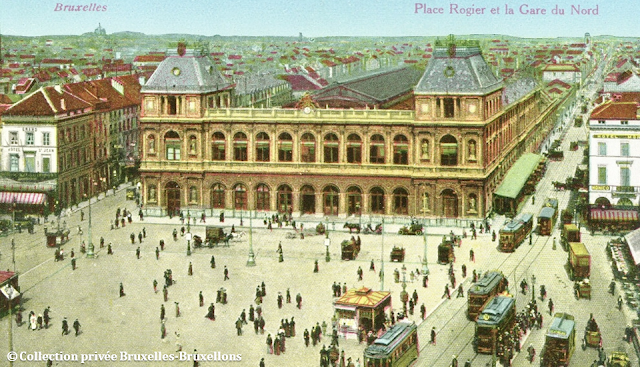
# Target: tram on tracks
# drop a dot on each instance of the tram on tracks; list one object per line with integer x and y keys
{"x": 492, "y": 283}
{"x": 560, "y": 341}
{"x": 398, "y": 347}
{"x": 496, "y": 318}
{"x": 547, "y": 217}
{"x": 515, "y": 231}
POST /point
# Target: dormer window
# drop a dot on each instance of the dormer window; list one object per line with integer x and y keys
{"x": 624, "y": 122}
{"x": 601, "y": 121}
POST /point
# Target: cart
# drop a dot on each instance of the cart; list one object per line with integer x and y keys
{"x": 618, "y": 359}
{"x": 445, "y": 252}
{"x": 413, "y": 228}
{"x": 397, "y": 254}
{"x": 57, "y": 238}
{"x": 582, "y": 289}
{"x": 592, "y": 339}
{"x": 213, "y": 235}
{"x": 349, "y": 250}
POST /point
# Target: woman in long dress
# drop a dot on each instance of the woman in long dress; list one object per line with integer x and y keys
{"x": 33, "y": 320}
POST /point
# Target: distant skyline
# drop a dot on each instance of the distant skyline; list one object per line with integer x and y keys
{"x": 317, "y": 18}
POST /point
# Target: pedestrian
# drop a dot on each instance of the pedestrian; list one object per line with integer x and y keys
{"x": 39, "y": 321}
{"x": 288, "y": 296}
{"x": 76, "y": 326}
{"x": 132, "y": 236}
{"x": 140, "y": 237}
{"x": 109, "y": 249}
{"x": 472, "y": 256}
{"x": 165, "y": 293}
{"x": 163, "y": 330}
{"x": 315, "y": 266}
{"x": 81, "y": 215}
{"x": 177, "y": 309}
{"x": 252, "y": 312}
{"x": 446, "y": 292}
{"x": 121, "y": 290}
{"x": 226, "y": 273}
{"x": 140, "y": 214}
{"x": 162, "y": 312}
{"x": 65, "y": 327}
{"x": 433, "y": 335}
{"x": 101, "y": 242}
{"x": 213, "y": 262}
{"x": 157, "y": 253}
{"x": 138, "y": 252}
{"x": 190, "y": 272}
{"x": 299, "y": 301}
{"x": 372, "y": 267}
{"x": 46, "y": 318}
{"x": 155, "y": 286}
{"x": 423, "y": 311}
{"x": 201, "y": 299}
{"x": 239, "y": 326}
{"x": 261, "y": 362}
{"x": 211, "y": 314}
{"x": 73, "y": 264}
{"x": 464, "y": 270}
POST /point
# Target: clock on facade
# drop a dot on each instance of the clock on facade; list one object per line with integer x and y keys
{"x": 175, "y": 71}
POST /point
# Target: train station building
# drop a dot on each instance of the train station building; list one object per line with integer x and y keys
{"x": 443, "y": 158}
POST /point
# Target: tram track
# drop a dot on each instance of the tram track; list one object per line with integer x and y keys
{"x": 463, "y": 331}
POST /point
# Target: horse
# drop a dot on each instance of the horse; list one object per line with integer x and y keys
{"x": 352, "y": 227}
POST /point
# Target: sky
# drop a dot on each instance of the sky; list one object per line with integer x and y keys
{"x": 318, "y": 18}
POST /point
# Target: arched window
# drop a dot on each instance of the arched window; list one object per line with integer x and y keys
{"x": 308, "y": 148}
{"x": 354, "y": 201}
{"x": 240, "y": 197}
{"x": 448, "y": 151}
{"x": 331, "y": 148}
{"x": 262, "y": 147}
{"x": 240, "y": 146}
{"x": 400, "y": 150}
{"x": 172, "y": 144}
{"x": 376, "y": 149}
{"x": 400, "y": 201}
{"x": 331, "y": 200}
{"x": 151, "y": 144}
{"x": 354, "y": 149}
{"x": 262, "y": 197}
{"x": 217, "y": 196}
{"x": 193, "y": 195}
{"x": 285, "y": 148}
{"x": 193, "y": 145}
{"x": 217, "y": 146}
{"x": 377, "y": 200}
{"x": 285, "y": 198}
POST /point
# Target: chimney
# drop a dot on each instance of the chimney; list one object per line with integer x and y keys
{"x": 142, "y": 80}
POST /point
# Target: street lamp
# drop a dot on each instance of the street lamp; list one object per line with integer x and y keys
{"x": 251, "y": 261}
{"x": 327, "y": 243}
{"x": 90, "y": 253}
{"x": 382, "y": 256}
{"x": 425, "y": 266}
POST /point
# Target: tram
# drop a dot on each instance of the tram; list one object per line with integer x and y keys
{"x": 496, "y": 318}
{"x": 398, "y": 347}
{"x": 547, "y": 217}
{"x": 515, "y": 231}
{"x": 480, "y": 293}
{"x": 560, "y": 341}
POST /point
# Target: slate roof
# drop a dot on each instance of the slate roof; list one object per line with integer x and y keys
{"x": 471, "y": 74}
{"x": 197, "y": 75}
{"x": 377, "y": 87}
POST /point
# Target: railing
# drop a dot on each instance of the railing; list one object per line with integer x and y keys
{"x": 29, "y": 176}
{"x": 625, "y": 189}
{"x": 315, "y": 114}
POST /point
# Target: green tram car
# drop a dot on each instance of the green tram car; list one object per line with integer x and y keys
{"x": 398, "y": 347}
{"x": 560, "y": 341}
{"x": 496, "y": 318}
{"x": 515, "y": 231}
{"x": 492, "y": 283}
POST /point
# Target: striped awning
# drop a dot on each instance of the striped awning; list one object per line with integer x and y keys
{"x": 31, "y": 198}
{"x": 614, "y": 215}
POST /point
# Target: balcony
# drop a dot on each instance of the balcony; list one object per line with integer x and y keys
{"x": 625, "y": 189}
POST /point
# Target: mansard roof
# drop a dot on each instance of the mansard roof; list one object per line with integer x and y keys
{"x": 458, "y": 70}
{"x": 189, "y": 73}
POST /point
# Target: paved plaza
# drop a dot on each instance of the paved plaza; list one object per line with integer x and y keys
{"x": 112, "y": 324}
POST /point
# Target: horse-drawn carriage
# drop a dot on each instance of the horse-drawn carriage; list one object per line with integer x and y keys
{"x": 592, "y": 337}
{"x": 350, "y": 249}
{"x": 445, "y": 251}
{"x": 397, "y": 254}
{"x": 369, "y": 230}
{"x": 57, "y": 238}
{"x": 352, "y": 227}
{"x": 582, "y": 289}
{"x": 213, "y": 235}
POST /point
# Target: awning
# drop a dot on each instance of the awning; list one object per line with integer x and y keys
{"x": 518, "y": 175}
{"x": 614, "y": 215}
{"x": 31, "y": 198}
{"x": 9, "y": 292}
